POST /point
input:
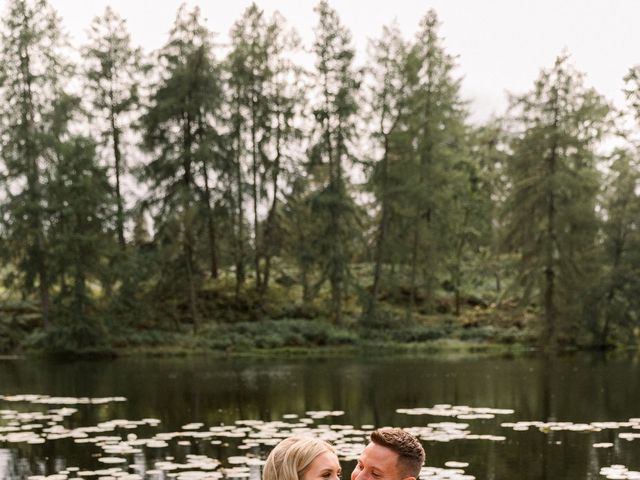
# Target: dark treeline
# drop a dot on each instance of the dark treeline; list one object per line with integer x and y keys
{"x": 202, "y": 185}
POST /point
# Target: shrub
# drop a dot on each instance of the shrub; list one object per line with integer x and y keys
{"x": 276, "y": 334}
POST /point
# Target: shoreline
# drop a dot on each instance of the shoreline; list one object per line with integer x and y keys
{"x": 445, "y": 349}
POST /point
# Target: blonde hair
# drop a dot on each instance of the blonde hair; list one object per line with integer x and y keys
{"x": 292, "y": 456}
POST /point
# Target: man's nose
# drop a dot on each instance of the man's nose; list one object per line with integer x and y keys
{"x": 358, "y": 475}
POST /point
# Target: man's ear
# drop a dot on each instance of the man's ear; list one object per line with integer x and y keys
{"x": 409, "y": 478}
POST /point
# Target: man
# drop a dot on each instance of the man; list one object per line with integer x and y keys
{"x": 392, "y": 454}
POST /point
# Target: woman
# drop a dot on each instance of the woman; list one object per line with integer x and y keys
{"x": 302, "y": 458}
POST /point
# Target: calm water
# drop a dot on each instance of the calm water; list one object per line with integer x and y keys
{"x": 178, "y": 391}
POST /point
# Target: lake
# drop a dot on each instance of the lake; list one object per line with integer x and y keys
{"x": 522, "y": 417}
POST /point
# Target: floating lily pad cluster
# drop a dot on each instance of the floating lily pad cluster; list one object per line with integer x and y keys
{"x": 457, "y": 431}
{"x": 619, "y": 472}
{"x": 462, "y": 412}
{"x": 447, "y": 431}
{"x": 546, "y": 427}
{"x": 452, "y": 473}
{"x": 48, "y": 400}
{"x": 120, "y": 446}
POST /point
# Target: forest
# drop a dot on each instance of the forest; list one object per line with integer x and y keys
{"x": 233, "y": 196}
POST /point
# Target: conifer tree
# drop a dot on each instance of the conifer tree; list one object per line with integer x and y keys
{"x": 435, "y": 128}
{"x": 550, "y": 209}
{"x": 33, "y": 73}
{"x": 286, "y": 96}
{"x": 250, "y": 74}
{"x": 331, "y": 151}
{"x": 112, "y": 75}
{"x": 620, "y": 278}
{"x": 81, "y": 202}
{"x": 388, "y": 108}
{"x": 175, "y": 128}
{"x": 487, "y": 146}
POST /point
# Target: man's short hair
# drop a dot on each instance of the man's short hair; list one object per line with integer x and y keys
{"x": 410, "y": 452}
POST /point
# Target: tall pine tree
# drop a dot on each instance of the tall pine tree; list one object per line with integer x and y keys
{"x": 33, "y": 72}
{"x": 112, "y": 75}
{"x": 175, "y": 131}
{"x": 550, "y": 209}
{"x": 388, "y": 107}
{"x": 331, "y": 151}
{"x": 434, "y": 128}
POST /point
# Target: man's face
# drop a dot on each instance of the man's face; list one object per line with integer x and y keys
{"x": 377, "y": 463}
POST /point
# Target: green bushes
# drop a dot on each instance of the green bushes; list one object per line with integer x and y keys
{"x": 268, "y": 334}
{"x": 70, "y": 338}
{"x": 144, "y": 338}
{"x": 7, "y": 338}
{"x": 409, "y": 334}
{"x": 491, "y": 333}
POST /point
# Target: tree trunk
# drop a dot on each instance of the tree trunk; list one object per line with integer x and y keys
{"x": 549, "y": 271}
{"x": 33, "y": 185}
{"x": 211, "y": 230}
{"x": 411, "y": 305}
{"x": 381, "y": 238}
{"x": 268, "y": 234}
{"x": 79, "y": 283}
{"x": 45, "y": 302}
{"x": 117, "y": 166}
{"x": 550, "y": 274}
{"x": 239, "y": 244}
{"x": 193, "y": 308}
{"x": 338, "y": 261}
{"x": 189, "y": 241}
{"x": 254, "y": 185}
{"x": 458, "y": 268}
{"x": 619, "y": 248}
{"x": 425, "y": 158}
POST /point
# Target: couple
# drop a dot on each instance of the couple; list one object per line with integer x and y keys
{"x": 392, "y": 454}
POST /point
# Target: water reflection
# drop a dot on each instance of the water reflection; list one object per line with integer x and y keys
{"x": 577, "y": 388}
